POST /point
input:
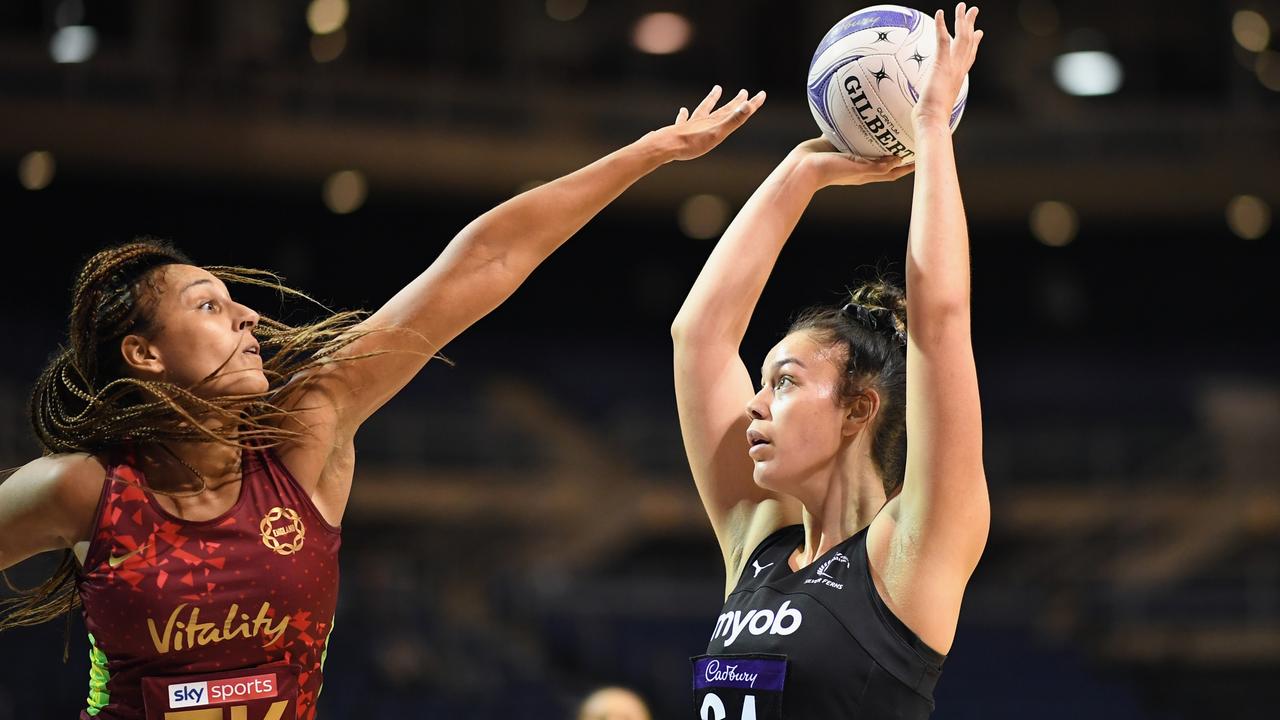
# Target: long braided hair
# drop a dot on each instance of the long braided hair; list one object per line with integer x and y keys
{"x": 83, "y": 402}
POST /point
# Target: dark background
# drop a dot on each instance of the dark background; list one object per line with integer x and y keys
{"x": 523, "y": 527}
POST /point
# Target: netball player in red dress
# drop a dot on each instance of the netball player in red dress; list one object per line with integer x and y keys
{"x": 199, "y": 456}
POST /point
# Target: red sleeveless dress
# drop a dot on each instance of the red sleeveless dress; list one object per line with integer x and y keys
{"x": 223, "y": 618}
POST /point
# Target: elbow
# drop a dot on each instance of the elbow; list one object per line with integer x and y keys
{"x": 938, "y": 319}
{"x": 938, "y": 291}
{"x": 937, "y": 296}
{"x": 945, "y": 307}
{"x": 682, "y": 328}
{"x": 679, "y": 331}
{"x": 686, "y": 331}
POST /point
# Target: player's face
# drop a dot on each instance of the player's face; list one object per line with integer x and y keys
{"x": 199, "y": 337}
{"x": 797, "y": 422}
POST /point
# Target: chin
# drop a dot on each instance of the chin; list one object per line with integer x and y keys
{"x": 763, "y": 477}
{"x": 775, "y": 480}
{"x": 244, "y": 384}
{"x": 253, "y": 385}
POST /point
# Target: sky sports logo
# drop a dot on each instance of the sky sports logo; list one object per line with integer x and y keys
{"x": 218, "y": 692}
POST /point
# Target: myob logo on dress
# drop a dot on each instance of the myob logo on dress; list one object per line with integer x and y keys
{"x": 782, "y": 621}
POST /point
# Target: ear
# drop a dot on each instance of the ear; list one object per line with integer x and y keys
{"x": 141, "y": 357}
{"x": 860, "y": 413}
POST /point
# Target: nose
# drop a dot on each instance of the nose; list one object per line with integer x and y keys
{"x": 248, "y": 318}
{"x": 758, "y": 409}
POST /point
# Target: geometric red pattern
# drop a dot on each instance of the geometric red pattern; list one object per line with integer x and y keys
{"x": 167, "y": 597}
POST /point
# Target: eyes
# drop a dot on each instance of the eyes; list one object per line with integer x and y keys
{"x": 782, "y": 382}
{"x": 209, "y": 305}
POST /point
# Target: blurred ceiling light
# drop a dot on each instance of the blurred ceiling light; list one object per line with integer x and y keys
{"x": 36, "y": 169}
{"x": 1054, "y": 223}
{"x": 73, "y": 44}
{"x": 327, "y": 48}
{"x": 69, "y": 12}
{"x": 326, "y": 16}
{"x": 1248, "y": 216}
{"x": 345, "y": 191}
{"x": 565, "y": 10}
{"x": 1087, "y": 73}
{"x": 702, "y": 217}
{"x": 1268, "y": 69}
{"x": 662, "y": 33}
{"x": 1038, "y": 17}
{"x": 1251, "y": 30}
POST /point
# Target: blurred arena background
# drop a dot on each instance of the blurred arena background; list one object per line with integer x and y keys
{"x": 523, "y": 527}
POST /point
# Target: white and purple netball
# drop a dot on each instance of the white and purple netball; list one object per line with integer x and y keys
{"x": 864, "y": 80}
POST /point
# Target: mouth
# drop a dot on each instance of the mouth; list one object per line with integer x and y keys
{"x": 755, "y": 439}
{"x": 252, "y": 350}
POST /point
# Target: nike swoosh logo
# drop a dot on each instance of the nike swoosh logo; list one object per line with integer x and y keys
{"x": 115, "y": 561}
{"x": 759, "y": 568}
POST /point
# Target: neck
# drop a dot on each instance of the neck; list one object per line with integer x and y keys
{"x": 847, "y": 501}
{"x": 181, "y": 466}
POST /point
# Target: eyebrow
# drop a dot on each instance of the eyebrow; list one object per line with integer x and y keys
{"x": 784, "y": 361}
{"x": 197, "y": 282}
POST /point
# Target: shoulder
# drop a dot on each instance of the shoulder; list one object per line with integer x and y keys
{"x": 58, "y": 493}
{"x": 76, "y": 481}
{"x": 66, "y": 477}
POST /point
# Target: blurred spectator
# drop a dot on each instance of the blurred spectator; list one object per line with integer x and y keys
{"x": 613, "y": 703}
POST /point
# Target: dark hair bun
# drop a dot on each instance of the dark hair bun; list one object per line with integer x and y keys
{"x": 880, "y": 306}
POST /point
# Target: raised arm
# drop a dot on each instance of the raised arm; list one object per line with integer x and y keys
{"x": 485, "y": 263}
{"x": 944, "y": 505}
{"x": 713, "y": 385}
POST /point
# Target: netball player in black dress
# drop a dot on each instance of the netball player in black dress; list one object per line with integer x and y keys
{"x": 847, "y": 551}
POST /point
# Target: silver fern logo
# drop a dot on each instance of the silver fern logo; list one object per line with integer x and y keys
{"x": 824, "y": 577}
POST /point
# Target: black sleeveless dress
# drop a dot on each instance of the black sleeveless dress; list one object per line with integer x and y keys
{"x": 817, "y": 644}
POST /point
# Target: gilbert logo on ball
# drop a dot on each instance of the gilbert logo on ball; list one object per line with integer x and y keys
{"x": 865, "y": 77}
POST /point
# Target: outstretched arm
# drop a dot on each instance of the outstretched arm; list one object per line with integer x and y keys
{"x": 485, "y": 263}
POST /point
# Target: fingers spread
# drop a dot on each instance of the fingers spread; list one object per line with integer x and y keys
{"x": 734, "y": 101}
{"x": 708, "y": 102}
{"x": 742, "y": 105}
